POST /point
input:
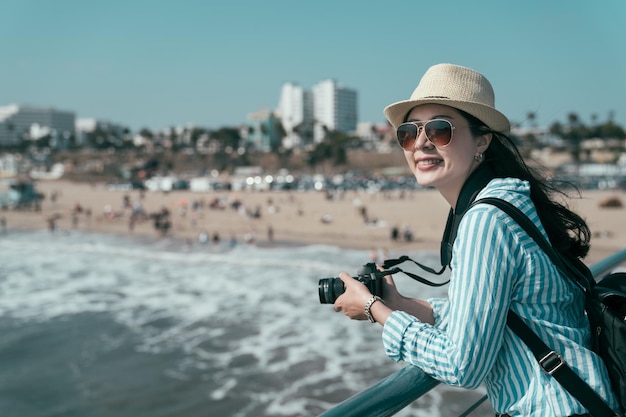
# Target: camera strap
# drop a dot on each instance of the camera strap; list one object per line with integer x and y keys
{"x": 393, "y": 262}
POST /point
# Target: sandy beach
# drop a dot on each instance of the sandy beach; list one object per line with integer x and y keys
{"x": 349, "y": 219}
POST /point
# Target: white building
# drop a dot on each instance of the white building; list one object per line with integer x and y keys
{"x": 295, "y": 109}
{"x": 19, "y": 122}
{"x": 308, "y": 114}
{"x": 334, "y": 109}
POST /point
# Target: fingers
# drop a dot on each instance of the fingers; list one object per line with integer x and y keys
{"x": 389, "y": 280}
{"x": 352, "y": 302}
{"x": 345, "y": 277}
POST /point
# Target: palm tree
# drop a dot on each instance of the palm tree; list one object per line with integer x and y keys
{"x": 573, "y": 135}
{"x": 531, "y": 115}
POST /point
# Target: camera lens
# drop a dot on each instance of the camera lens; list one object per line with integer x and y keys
{"x": 330, "y": 289}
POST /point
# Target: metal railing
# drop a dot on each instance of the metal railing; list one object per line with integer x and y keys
{"x": 398, "y": 390}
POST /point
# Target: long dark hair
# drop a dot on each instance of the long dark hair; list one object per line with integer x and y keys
{"x": 568, "y": 232}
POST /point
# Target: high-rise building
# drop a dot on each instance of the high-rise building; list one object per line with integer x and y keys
{"x": 295, "y": 109}
{"x": 334, "y": 109}
{"x": 307, "y": 115}
{"x": 26, "y": 122}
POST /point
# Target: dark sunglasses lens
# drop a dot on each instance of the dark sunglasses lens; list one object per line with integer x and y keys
{"x": 439, "y": 132}
{"x": 407, "y": 133}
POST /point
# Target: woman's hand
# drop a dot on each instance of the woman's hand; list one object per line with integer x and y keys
{"x": 396, "y": 301}
{"x": 352, "y": 301}
{"x": 390, "y": 293}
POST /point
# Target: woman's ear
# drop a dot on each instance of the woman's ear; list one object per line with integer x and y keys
{"x": 483, "y": 142}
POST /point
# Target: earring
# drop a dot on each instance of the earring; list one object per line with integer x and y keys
{"x": 479, "y": 157}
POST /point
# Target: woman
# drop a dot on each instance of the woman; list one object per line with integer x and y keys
{"x": 455, "y": 140}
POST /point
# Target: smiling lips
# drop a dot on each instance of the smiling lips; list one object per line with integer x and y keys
{"x": 428, "y": 162}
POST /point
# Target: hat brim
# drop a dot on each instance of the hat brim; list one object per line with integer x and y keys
{"x": 491, "y": 117}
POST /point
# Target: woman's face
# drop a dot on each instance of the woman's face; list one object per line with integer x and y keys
{"x": 448, "y": 167}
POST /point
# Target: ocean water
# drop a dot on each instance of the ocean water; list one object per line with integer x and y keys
{"x": 100, "y": 325}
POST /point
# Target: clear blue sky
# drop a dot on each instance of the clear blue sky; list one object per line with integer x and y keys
{"x": 159, "y": 63}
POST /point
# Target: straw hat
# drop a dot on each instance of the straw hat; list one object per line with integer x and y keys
{"x": 454, "y": 86}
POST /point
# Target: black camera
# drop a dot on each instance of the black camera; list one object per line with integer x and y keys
{"x": 331, "y": 288}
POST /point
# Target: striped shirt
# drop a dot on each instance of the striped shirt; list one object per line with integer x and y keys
{"x": 497, "y": 266}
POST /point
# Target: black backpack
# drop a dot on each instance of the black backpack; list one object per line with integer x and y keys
{"x": 606, "y": 310}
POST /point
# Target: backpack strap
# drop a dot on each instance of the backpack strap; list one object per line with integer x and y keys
{"x": 578, "y": 273}
{"x": 549, "y": 360}
{"x": 552, "y": 363}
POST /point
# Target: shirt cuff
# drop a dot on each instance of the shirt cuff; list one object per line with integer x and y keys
{"x": 393, "y": 332}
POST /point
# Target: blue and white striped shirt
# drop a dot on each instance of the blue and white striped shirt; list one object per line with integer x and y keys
{"x": 497, "y": 266}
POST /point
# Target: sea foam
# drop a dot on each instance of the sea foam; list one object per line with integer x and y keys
{"x": 247, "y": 319}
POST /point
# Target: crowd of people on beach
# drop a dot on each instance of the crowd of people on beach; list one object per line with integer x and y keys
{"x": 190, "y": 217}
{"x": 179, "y": 214}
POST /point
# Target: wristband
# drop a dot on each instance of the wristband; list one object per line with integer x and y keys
{"x": 368, "y": 305}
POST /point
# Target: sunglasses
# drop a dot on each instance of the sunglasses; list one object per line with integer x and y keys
{"x": 438, "y": 132}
